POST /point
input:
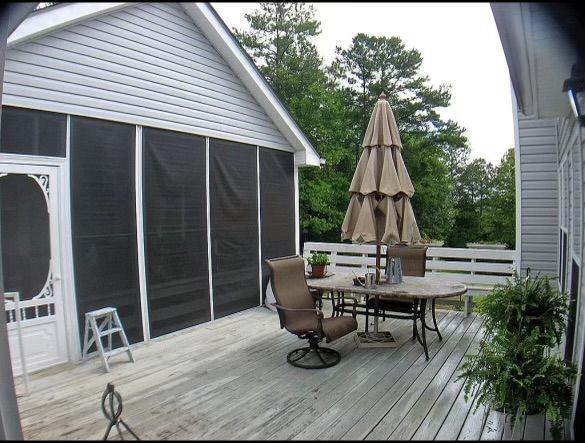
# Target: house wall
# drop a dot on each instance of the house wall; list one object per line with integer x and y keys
{"x": 571, "y": 146}
{"x": 147, "y": 64}
{"x": 551, "y": 196}
{"x": 537, "y": 144}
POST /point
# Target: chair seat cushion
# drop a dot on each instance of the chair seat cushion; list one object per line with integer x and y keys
{"x": 337, "y": 327}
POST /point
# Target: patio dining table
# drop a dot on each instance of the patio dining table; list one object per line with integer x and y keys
{"x": 418, "y": 290}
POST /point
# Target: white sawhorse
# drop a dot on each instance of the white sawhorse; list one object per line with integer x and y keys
{"x": 104, "y": 322}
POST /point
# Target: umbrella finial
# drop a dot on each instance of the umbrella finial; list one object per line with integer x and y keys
{"x": 382, "y": 96}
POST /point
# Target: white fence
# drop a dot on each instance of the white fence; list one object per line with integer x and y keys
{"x": 479, "y": 269}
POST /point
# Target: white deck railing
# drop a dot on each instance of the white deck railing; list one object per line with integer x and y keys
{"x": 479, "y": 269}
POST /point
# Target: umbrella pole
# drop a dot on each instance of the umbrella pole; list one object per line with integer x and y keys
{"x": 378, "y": 254}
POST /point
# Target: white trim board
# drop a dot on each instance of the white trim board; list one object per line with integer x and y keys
{"x": 259, "y": 224}
{"x": 139, "y": 184}
{"x": 59, "y": 16}
{"x": 208, "y": 218}
{"x": 517, "y": 181}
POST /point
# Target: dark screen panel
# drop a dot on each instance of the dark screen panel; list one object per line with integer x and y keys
{"x": 32, "y": 132}
{"x": 26, "y": 245}
{"x": 234, "y": 226}
{"x": 175, "y": 229}
{"x": 277, "y": 206}
{"x": 103, "y": 220}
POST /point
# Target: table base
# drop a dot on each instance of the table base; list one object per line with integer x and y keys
{"x": 382, "y": 339}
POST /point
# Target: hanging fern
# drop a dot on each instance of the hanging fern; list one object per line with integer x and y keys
{"x": 514, "y": 371}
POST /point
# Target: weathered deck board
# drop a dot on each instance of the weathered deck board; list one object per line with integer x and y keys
{"x": 230, "y": 380}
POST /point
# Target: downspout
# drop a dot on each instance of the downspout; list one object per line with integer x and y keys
{"x": 518, "y": 182}
{"x": 11, "y": 15}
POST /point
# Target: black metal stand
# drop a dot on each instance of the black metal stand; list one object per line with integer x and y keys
{"x": 109, "y": 396}
{"x": 416, "y": 312}
{"x": 326, "y": 356}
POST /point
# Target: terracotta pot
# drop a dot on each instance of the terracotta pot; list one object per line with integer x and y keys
{"x": 318, "y": 270}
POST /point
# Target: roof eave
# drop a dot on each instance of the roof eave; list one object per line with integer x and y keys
{"x": 510, "y": 24}
{"x": 59, "y": 16}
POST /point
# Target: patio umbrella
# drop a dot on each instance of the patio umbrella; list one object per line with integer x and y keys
{"x": 379, "y": 209}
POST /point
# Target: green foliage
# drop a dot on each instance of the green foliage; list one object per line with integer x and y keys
{"x": 514, "y": 370}
{"x": 484, "y": 203}
{"x": 516, "y": 377}
{"x": 332, "y": 104}
{"x": 523, "y": 305}
{"x": 374, "y": 64}
{"x": 500, "y": 218}
{"x": 280, "y": 43}
{"x": 319, "y": 259}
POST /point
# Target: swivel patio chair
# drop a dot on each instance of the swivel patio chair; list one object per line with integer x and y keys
{"x": 297, "y": 313}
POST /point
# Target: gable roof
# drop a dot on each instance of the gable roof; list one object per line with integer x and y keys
{"x": 62, "y": 15}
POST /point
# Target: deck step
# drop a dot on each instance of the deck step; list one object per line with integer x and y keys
{"x": 110, "y": 331}
{"x": 116, "y": 351}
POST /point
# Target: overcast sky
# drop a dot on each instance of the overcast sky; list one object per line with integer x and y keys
{"x": 460, "y": 46}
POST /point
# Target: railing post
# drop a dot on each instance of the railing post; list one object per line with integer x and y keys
{"x": 333, "y": 260}
{"x": 468, "y": 304}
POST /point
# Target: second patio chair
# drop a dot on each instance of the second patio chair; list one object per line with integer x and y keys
{"x": 413, "y": 260}
{"x": 298, "y": 314}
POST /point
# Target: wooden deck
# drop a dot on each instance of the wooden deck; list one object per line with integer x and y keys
{"x": 230, "y": 380}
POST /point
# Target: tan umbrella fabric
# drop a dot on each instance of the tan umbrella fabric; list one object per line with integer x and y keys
{"x": 379, "y": 209}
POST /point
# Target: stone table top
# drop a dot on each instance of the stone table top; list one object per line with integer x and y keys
{"x": 427, "y": 287}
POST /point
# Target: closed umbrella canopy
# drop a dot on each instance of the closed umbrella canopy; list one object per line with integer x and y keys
{"x": 379, "y": 209}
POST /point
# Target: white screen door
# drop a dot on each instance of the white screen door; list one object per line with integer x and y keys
{"x": 29, "y": 209}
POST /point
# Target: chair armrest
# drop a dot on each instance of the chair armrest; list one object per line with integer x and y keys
{"x": 315, "y": 310}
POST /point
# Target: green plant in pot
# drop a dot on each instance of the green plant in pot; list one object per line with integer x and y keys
{"x": 514, "y": 371}
{"x": 318, "y": 262}
{"x": 523, "y": 304}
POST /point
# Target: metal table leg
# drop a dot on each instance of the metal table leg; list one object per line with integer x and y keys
{"x": 422, "y": 306}
{"x": 376, "y": 312}
{"x": 436, "y": 327}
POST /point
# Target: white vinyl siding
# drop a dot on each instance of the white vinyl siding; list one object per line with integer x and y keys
{"x": 147, "y": 64}
{"x": 539, "y": 194}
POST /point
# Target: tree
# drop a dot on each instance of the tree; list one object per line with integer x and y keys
{"x": 474, "y": 190}
{"x": 332, "y": 105}
{"x": 485, "y": 203}
{"x": 373, "y": 64}
{"x": 433, "y": 149}
{"x": 280, "y": 41}
{"x": 501, "y": 217}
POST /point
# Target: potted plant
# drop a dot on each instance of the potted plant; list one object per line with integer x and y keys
{"x": 514, "y": 371}
{"x": 523, "y": 304}
{"x": 318, "y": 262}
